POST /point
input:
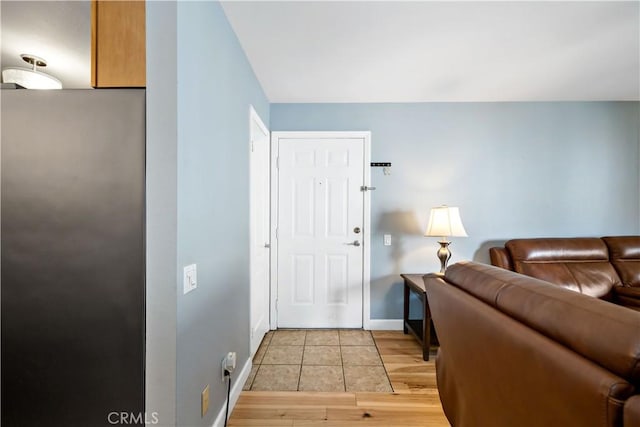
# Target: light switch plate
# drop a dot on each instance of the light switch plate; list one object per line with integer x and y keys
{"x": 387, "y": 239}
{"x": 190, "y": 278}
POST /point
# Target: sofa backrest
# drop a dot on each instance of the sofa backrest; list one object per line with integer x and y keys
{"x": 598, "y": 330}
{"x": 624, "y": 254}
{"x": 580, "y": 264}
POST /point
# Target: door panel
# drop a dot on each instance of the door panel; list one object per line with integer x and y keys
{"x": 319, "y": 204}
{"x": 259, "y": 232}
{"x": 304, "y": 207}
{"x": 338, "y": 279}
{"x": 338, "y": 204}
{"x": 303, "y": 274}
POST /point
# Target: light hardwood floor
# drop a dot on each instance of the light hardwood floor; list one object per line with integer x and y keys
{"x": 413, "y": 403}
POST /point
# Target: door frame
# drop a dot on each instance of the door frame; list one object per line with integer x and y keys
{"x": 366, "y": 226}
{"x": 254, "y": 117}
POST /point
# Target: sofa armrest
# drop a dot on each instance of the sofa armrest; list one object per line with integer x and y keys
{"x": 632, "y": 412}
{"x": 500, "y": 258}
{"x": 624, "y": 253}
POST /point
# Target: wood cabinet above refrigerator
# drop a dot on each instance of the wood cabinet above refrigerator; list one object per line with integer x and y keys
{"x": 118, "y": 55}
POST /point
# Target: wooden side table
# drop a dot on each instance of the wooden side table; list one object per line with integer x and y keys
{"x": 421, "y": 328}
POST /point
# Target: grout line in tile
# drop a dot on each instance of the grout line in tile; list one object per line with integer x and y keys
{"x": 304, "y": 342}
{"x": 382, "y": 362}
{"x": 254, "y": 377}
{"x": 299, "y": 376}
{"x": 344, "y": 377}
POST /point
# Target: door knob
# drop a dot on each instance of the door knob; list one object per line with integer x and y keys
{"x": 354, "y": 243}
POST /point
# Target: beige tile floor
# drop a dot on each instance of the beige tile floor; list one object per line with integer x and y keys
{"x": 318, "y": 360}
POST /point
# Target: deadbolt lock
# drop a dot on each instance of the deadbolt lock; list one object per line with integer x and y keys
{"x": 356, "y": 230}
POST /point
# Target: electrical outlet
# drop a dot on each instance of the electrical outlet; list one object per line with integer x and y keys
{"x": 228, "y": 364}
{"x": 387, "y": 239}
{"x": 205, "y": 400}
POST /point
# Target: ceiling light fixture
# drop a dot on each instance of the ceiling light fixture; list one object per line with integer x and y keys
{"x": 30, "y": 78}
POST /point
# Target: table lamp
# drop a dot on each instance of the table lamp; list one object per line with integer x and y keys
{"x": 444, "y": 221}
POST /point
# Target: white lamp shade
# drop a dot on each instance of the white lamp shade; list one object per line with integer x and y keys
{"x": 30, "y": 79}
{"x": 445, "y": 221}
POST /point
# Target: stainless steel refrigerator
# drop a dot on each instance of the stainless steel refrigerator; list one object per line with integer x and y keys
{"x": 72, "y": 256}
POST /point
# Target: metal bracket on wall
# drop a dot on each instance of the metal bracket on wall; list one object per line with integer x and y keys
{"x": 386, "y": 167}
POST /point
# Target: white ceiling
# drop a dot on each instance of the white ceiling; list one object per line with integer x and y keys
{"x": 57, "y": 31}
{"x": 392, "y": 51}
{"x": 387, "y": 51}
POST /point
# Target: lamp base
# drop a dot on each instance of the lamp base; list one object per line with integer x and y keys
{"x": 444, "y": 255}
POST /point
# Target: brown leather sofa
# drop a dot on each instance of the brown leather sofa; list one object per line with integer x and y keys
{"x": 606, "y": 268}
{"x": 516, "y": 351}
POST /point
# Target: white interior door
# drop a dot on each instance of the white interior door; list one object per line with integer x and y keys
{"x": 259, "y": 230}
{"x": 320, "y": 232}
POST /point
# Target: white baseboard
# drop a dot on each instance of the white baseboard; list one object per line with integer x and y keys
{"x": 385, "y": 324}
{"x": 236, "y": 389}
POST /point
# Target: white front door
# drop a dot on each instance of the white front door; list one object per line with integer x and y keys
{"x": 259, "y": 230}
{"x": 321, "y": 232}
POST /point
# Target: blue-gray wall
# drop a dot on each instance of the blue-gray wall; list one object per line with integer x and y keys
{"x": 514, "y": 169}
{"x": 216, "y": 85}
{"x": 199, "y": 89}
{"x": 161, "y": 177}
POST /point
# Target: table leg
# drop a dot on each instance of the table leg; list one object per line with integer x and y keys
{"x": 406, "y": 308}
{"x": 426, "y": 329}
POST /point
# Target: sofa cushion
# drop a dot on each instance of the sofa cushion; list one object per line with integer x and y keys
{"x": 627, "y": 296}
{"x": 624, "y": 253}
{"x": 602, "y": 332}
{"x": 578, "y": 264}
